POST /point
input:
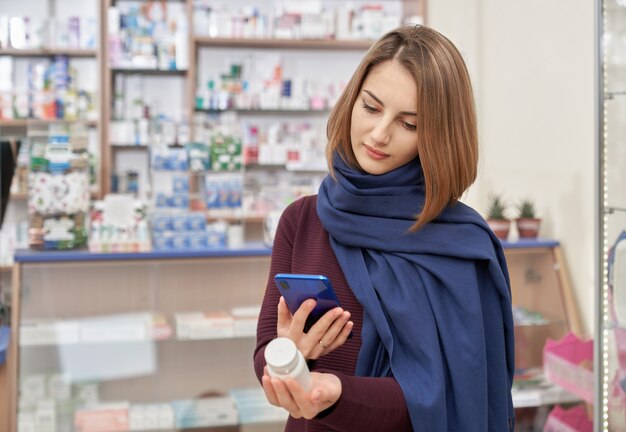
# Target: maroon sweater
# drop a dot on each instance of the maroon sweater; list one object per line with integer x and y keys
{"x": 301, "y": 245}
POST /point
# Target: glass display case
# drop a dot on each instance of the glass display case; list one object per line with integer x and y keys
{"x": 610, "y": 360}
{"x": 138, "y": 341}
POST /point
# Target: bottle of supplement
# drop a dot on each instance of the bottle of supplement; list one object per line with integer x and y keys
{"x": 285, "y": 361}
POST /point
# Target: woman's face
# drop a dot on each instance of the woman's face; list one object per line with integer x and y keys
{"x": 383, "y": 119}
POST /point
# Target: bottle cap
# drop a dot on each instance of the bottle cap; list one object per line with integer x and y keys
{"x": 281, "y": 354}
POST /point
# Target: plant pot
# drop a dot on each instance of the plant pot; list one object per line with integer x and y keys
{"x": 528, "y": 227}
{"x": 500, "y": 227}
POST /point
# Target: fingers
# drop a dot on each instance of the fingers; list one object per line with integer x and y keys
{"x": 270, "y": 394}
{"x": 299, "y": 318}
{"x": 324, "y": 324}
{"x": 341, "y": 336}
{"x": 285, "y": 398}
{"x": 284, "y": 316}
{"x": 332, "y": 330}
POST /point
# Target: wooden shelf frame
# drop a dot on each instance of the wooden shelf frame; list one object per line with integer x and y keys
{"x": 297, "y": 44}
{"x": 50, "y": 52}
{"x": 39, "y": 122}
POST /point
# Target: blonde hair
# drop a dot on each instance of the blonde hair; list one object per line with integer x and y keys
{"x": 446, "y": 116}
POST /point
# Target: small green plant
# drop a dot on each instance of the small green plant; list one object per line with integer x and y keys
{"x": 497, "y": 208}
{"x": 526, "y": 209}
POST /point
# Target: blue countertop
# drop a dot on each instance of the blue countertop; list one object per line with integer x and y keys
{"x": 250, "y": 249}
{"x": 35, "y": 256}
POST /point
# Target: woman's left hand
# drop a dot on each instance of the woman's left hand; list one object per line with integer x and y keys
{"x": 324, "y": 392}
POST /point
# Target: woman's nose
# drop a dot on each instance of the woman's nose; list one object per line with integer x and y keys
{"x": 381, "y": 133}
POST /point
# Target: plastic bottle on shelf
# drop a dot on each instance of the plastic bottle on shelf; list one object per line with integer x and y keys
{"x": 284, "y": 360}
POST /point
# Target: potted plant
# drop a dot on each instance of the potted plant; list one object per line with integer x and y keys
{"x": 497, "y": 219}
{"x": 527, "y": 221}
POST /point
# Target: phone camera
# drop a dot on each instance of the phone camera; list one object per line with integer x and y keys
{"x": 284, "y": 285}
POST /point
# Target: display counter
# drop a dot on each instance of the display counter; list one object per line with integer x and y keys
{"x": 164, "y": 340}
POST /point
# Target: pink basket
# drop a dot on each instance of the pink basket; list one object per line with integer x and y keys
{"x": 563, "y": 365}
{"x": 571, "y": 420}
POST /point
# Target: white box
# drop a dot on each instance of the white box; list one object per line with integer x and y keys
{"x": 245, "y": 320}
{"x": 198, "y": 325}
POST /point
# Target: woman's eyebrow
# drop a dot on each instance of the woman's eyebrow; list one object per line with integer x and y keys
{"x": 373, "y": 96}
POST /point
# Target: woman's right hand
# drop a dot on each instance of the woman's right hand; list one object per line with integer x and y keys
{"x": 325, "y": 336}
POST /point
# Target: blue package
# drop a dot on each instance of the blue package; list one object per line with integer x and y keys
{"x": 195, "y": 241}
{"x": 158, "y": 162}
{"x": 234, "y": 195}
{"x": 161, "y": 242}
{"x": 161, "y": 222}
{"x": 180, "y": 184}
{"x": 179, "y": 223}
{"x": 211, "y": 189}
{"x": 162, "y": 200}
{"x": 178, "y": 201}
{"x": 179, "y": 241}
{"x": 196, "y": 222}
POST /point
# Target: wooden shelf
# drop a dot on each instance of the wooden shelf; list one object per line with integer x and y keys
{"x": 263, "y": 111}
{"x": 304, "y": 169}
{"x": 6, "y": 269}
{"x": 49, "y": 52}
{"x": 233, "y": 219}
{"x": 143, "y": 71}
{"x": 300, "y": 44}
{"x": 123, "y": 147}
{"x": 38, "y": 122}
{"x": 18, "y": 196}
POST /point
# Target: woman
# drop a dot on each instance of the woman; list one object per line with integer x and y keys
{"x": 422, "y": 280}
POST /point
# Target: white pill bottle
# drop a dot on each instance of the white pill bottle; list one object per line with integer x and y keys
{"x": 284, "y": 360}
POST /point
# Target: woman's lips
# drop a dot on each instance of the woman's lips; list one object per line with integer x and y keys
{"x": 375, "y": 154}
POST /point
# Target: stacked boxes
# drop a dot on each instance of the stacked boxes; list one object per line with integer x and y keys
{"x": 58, "y": 191}
{"x": 186, "y": 231}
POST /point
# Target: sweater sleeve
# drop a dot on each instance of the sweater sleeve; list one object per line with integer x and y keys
{"x": 280, "y": 263}
{"x": 365, "y": 402}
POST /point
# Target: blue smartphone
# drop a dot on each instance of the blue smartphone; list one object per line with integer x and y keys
{"x": 296, "y": 288}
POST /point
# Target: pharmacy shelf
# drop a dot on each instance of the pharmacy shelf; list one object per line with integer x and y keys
{"x": 288, "y": 167}
{"x": 39, "y": 122}
{"x": 268, "y": 112}
{"x": 550, "y": 395}
{"x": 49, "y": 52}
{"x": 123, "y": 147}
{"x": 297, "y": 44}
{"x": 143, "y": 71}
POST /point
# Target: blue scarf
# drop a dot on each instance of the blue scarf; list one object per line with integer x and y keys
{"x": 436, "y": 303}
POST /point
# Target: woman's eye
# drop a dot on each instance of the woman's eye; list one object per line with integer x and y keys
{"x": 409, "y": 126}
{"x": 369, "y": 108}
